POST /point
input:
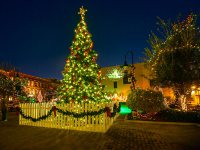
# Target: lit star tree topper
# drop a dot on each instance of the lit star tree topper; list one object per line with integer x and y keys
{"x": 82, "y": 78}
{"x": 82, "y": 12}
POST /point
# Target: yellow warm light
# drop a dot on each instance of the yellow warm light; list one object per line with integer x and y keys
{"x": 193, "y": 87}
{"x": 193, "y": 92}
{"x": 115, "y": 95}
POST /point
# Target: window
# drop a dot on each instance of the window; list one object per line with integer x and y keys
{"x": 127, "y": 79}
{"x": 152, "y": 83}
{"x": 32, "y": 83}
{"x": 115, "y": 84}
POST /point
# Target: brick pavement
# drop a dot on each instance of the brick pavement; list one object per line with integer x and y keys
{"x": 126, "y": 136}
{"x": 122, "y": 135}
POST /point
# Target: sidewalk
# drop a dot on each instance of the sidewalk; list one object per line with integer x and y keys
{"x": 165, "y": 123}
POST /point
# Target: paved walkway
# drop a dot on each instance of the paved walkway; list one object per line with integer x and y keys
{"x": 123, "y": 135}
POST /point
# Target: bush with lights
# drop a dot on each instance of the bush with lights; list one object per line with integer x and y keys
{"x": 147, "y": 101}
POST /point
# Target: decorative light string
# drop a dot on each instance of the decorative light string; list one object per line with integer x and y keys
{"x": 177, "y": 29}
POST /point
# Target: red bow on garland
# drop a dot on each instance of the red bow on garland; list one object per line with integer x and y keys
{"x": 108, "y": 111}
{"x": 54, "y": 110}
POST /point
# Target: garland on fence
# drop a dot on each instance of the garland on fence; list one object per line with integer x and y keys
{"x": 75, "y": 115}
{"x": 35, "y": 119}
{"x": 82, "y": 114}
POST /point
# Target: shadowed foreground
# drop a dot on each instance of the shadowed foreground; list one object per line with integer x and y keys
{"x": 122, "y": 135}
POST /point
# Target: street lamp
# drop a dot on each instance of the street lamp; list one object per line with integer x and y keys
{"x": 126, "y": 72}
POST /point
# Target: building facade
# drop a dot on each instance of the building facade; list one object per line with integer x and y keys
{"x": 118, "y": 86}
{"x": 119, "y": 89}
{"x": 35, "y": 86}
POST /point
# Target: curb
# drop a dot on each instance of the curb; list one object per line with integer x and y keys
{"x": 159, "y": 122}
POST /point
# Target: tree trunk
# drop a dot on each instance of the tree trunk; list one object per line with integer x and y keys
{"x": 177, "y": 95}
{"x": 4, "y": 108}
{"x": 180, "y": 96}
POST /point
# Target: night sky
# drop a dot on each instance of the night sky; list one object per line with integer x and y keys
{"x": 35, "y": 35}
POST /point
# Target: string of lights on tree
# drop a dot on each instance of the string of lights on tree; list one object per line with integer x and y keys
{"x": 184, "y": 31}
{"x": 82, "y": 78}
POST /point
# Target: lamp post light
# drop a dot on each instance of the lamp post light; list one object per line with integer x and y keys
{"x": 132, "y": 72}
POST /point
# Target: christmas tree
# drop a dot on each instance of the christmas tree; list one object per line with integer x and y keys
{"x": 82, "y": 79}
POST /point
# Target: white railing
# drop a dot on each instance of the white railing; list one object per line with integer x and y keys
{"x": 56, "y": 119}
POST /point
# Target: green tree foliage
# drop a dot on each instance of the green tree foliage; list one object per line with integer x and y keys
{"x": 174, "y": 55}
{"x": 82, "y": 79}
{"x": 146, "y": 100}
{"x": 10, "y": 85}
{"x": 6, "y": 86}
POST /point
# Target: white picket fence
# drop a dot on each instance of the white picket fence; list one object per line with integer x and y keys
{"x": 98, "y": 123}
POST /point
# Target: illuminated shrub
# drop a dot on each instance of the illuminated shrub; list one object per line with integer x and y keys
{"x": 145, "y": 100}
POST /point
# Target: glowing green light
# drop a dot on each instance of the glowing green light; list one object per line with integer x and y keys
{"x": 125, "y": 110}
{"x": 115, "y": 74}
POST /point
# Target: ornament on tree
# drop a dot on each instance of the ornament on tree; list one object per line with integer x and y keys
{"x": 91, "y": 45}
{"x": 85, "y": 97}
{"x": 99, "y": 75}
{"x": 77, "y": 56}
{"x": 94, "y": 59}
{"x": 86, "y": 53}
{"x": 66, "y": 68}
{"x": 78, "y": 48}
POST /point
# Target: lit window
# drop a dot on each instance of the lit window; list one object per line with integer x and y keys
{"x": 115, "y": 84}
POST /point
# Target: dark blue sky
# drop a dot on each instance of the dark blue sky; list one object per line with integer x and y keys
{"x": 35, "y": 35}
